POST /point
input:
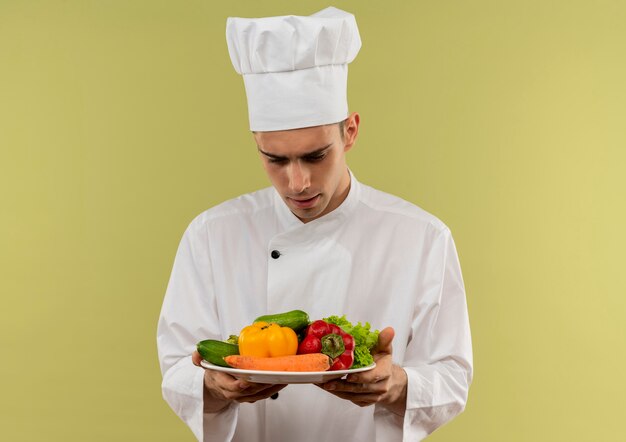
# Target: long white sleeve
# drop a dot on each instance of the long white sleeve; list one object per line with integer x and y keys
{"x": 438, "y": 359}
{"x": 189, "y": 315}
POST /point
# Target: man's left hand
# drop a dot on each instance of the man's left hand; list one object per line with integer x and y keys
{"x": 386, "y": 384}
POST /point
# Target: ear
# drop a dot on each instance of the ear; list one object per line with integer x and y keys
{"x": 351, "y": 130}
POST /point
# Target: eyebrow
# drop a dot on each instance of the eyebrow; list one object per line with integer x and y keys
{"x": 308, "y": 154}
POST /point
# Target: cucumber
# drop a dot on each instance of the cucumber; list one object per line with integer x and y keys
{"x": 215, "y": 351}
{"x": 295, "y": 319}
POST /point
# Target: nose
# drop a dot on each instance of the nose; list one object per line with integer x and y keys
{"x": 299, "y": 177}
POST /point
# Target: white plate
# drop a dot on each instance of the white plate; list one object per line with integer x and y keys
{"x": 285, "y": 377}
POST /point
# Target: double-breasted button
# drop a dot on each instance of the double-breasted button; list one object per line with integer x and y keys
{"x": 275, "y": 254}
{"x": 274, "y": 396}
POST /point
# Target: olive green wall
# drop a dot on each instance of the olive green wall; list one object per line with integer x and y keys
{"x": 122, "y": 120}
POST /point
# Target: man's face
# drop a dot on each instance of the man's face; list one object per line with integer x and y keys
{"x": 307, "y": 167}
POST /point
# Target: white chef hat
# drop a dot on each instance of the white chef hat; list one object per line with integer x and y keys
{"x": 295, "y": 69}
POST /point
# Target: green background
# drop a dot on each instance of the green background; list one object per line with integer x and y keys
{"x": 122, "y": 120}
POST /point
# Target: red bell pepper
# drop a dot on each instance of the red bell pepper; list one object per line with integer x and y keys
{"x": 322, "y": 337}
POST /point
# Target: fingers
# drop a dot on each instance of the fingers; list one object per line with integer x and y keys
{"x": 384, "y": 341}
{"x": 260, "y": 395}
{"x": 224, "y": 386}
{"x": 196, "y": 358}
{"x": 382, "y": 371}
{"x": 369, "y": 387}
{"x": 226, "y": 382}
{"x": 359, "y": 394}
{"x": 342, "y": 386}
{"x": 370, "y": 378}
{"x": 360, "y": 399}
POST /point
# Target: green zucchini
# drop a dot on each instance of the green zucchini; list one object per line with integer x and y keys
{"x": 295, "y": 319}
{"x": 215, "y": 351}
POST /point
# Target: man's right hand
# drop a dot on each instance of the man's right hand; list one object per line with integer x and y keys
{"x": 220, "y": 389}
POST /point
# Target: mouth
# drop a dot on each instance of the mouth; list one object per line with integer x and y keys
{"x": 302, "y": 203}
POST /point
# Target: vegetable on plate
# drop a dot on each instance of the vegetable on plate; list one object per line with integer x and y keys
{"x": 264, "y": 339}
{"x": 294, "y": 319}
{"x": 300, "y": 363}
{"x": 215, "y": 351}
{"x": 365, "y": 340}
{"x": 330, "y": 340}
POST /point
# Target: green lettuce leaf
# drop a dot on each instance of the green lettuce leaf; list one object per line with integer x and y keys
{"x": 364, "y": 339}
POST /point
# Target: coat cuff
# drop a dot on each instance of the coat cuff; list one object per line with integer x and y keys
{"x": 183, "y": 386}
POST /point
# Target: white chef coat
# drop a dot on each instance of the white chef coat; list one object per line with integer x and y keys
{"x": 375, "y": 258}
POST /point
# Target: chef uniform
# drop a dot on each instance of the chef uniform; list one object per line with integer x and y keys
{"x": 375, "y": 258}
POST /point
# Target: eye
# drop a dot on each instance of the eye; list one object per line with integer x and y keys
{"x": 315, "y": 158}
{"x": 277, "y": 160}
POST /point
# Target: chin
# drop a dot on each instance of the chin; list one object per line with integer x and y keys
{"x": 307, "y": 215}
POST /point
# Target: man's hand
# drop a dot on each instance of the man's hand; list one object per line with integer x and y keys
{"x": 386, "y": 384}
{"x": 220, "y": 389}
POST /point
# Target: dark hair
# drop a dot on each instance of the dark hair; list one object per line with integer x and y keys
{"x": 342, "y": 125}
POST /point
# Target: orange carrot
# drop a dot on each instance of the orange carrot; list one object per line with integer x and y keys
{"x": 308, "y": 362}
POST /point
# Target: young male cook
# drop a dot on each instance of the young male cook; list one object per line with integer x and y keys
{"x": 319, "y": 241}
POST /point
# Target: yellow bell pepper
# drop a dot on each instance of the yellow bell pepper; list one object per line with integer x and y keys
{"x": 267, "y": 340}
